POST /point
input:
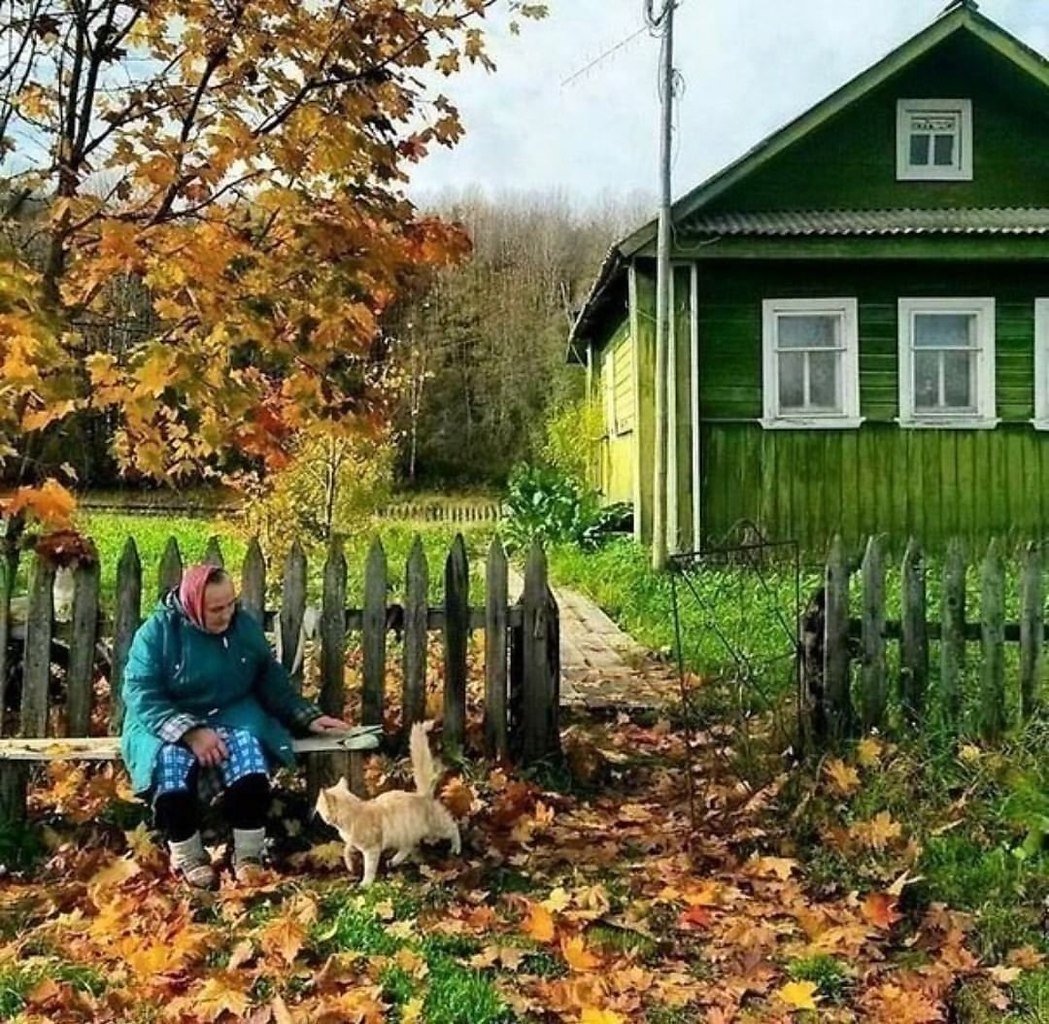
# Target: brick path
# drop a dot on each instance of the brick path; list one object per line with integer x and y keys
{"x": 601, "y": 666}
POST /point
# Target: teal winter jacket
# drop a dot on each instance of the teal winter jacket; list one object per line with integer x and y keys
{"x": 178, "y": 677}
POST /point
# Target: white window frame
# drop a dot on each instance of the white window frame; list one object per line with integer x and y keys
{"x": 985, "y": 417}
{"x": 849, "y": 417}
{"x": 964, "y": 169}
{"x": 1041, "y": 364}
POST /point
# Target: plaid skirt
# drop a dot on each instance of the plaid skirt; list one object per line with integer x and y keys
{"x": 174, "y": 770}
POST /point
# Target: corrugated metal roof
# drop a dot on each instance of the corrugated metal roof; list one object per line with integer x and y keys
{"x": 985, "y": 221}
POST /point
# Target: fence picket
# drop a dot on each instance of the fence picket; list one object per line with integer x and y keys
{"x": 873, "y": 633}
{"x": 125, "y": 622}
{"x": 80, "y": 676}
{"x": 456, "y": 641}
{"x": 213, "y": 553}
{"x": 374, "y": 638}
{"x": 952, "y": 633}
{"x": 914, "y": 647}
{"x": 1032, "y": 628}
{"x": 8, "y": 572}
{"x": 253, "y": 581}
{"x": 325, "y": 769}
{"x": 836, "y": 674}
{"x": 169, "y": 574}
{"x": 496, "y": 596}
{"x": 540, "y": 735}
{"x": 37, "y": 672}
{"x": 992, "y": 618}
{"x": 292, "y": 612}
{"x": 416, "y": 588}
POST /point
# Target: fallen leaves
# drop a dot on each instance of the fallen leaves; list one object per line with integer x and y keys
{"x": 539, "y": 924}
{"x": 843, "y": 778}
{"x": 879, "y": 909}
{"x": 799, "y": 995}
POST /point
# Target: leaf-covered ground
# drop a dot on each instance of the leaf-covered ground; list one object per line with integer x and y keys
{"x": 582, "y": 896}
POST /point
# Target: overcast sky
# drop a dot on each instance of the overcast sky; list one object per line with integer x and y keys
{"x": 749, "y": 67}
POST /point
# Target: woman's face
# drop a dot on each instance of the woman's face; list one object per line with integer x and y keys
{"x": 219, "y": 605}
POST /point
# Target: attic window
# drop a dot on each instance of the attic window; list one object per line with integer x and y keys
{"x": 934, "y": 140}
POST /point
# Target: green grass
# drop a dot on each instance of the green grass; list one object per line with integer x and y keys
{"x": 17, "y": 980}
{"x": 827, "y": 973}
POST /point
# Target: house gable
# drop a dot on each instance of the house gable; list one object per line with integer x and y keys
{"x": 970, "y": 47}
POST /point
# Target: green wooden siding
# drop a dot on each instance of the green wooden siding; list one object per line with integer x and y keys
{"x": 850, "y": 161}
{"x": 682, "y": 340}
{"x": 613, "y": 387}
{"x": 809, "y": 485}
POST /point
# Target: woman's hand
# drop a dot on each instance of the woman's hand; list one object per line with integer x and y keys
{"x": 208, "y": 746}
{"x": 326, "y": 724}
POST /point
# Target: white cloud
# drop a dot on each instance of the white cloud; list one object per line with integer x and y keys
{"x": 749, "y": 67}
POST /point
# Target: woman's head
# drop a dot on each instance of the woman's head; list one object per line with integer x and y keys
{"x": 208, "y": 597}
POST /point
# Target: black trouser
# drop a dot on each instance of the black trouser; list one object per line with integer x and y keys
{"x": 245, "y": 805}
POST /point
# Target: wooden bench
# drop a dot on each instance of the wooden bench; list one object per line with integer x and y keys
{"x": 344, "y": 755}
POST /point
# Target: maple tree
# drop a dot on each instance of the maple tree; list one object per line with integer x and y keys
{"x": 223, "y": 181}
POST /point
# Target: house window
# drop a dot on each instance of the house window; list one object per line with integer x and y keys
{"x": 811, "y": 363}
{"x": 947, "y": 362}
{"x": 934, "y": 140}
{"x": 1041, "y": 364}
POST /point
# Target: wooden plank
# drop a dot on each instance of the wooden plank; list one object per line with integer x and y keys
{"x": 456, "y": 641}
{"x": 253, "y": 581}
{"x": 170, "y": 573}
{"x": 914, "y": 647}
{"x": 416, "y": 589}
{"x": 515, "y": 683}
{"x": 873, "y": 672}
{"x": 213, "y": 553}
{"x": 107, "y": 748}
{"x": 373, "y": 673}
{"x": 292, "y": 612}
{"x": 836, "y": 645}
{"x": 540, "y": 739}
{"x": 36, "y": 677}
{"x": 80, "y": 676}
{"x": 952, "y": 635}
{"x": 496, "y": 737}
{"x": 325, "y": 769}
{"x": 992, "y": 615}
{"x": 1032, "y": 628}
{"x": 126, "y": 621}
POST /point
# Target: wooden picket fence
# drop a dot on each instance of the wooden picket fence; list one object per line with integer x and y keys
{"x": 443, "y": 512}
{"x": 844, "y": 676}
{"x": 522, "y": 670}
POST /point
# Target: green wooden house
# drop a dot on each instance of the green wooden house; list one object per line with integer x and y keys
{"x": 859, "y": 336}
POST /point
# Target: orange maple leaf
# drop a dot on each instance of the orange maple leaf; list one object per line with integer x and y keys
{"x": 577, "y": 956}
{"x": 284, "y": 936}
{"x": 539, "y": 924}
{"x": 844, "y": 779}
{"x": 879, "y": 909}
{"x": 694, "y": 917}
{"x": 592, "y": 1015}
{"x": 50, "y": 503}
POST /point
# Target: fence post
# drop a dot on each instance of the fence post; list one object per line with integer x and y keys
{"x": 992, "y": 632}
{"x": 125, "y": 622}
{"x": 952, "y": 635}
{"x": 213, "y": 553}
{"x": 836, "y": 645}
{"x": 170, "y": 573}
{"x": 540, "y": 685}
{"x": 456, "y": 640}
{"x": 325, "y": 769}
{"x": 8, "y": 570}
{"x": 914, "y": 646}
{"x": 416, "y": 607}
{"x": 253, "y": 582}
{"x": 37, "y": 667}
{"x": 495, "y": 618}
{"x": 373, "y": 670}
{"x": 292, "y": 612}
{"x": 80, "y": 677}
{"x": 873, "y": 628}
{"x": 1032, "y": 628}
{"x": 515, "y": 683}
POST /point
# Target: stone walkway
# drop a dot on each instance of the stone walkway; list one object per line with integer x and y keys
{"x": 602, "y": 667}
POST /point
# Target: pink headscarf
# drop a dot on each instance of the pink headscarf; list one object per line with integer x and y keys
{"x": 195, "y": 580}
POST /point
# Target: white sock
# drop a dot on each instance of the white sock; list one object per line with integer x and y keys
{"x": 188, "y": 853}
{"x": 248, "y": 844}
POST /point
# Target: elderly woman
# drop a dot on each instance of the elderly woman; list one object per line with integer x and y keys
{"x": 209, "y": 710}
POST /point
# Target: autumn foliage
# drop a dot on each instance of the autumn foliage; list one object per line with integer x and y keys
{"x": 242, "y": 166}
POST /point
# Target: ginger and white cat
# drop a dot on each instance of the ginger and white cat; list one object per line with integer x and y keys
{"x": 397, "y": 820}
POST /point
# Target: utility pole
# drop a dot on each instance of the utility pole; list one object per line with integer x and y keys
{"x": 659, "y": 489}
